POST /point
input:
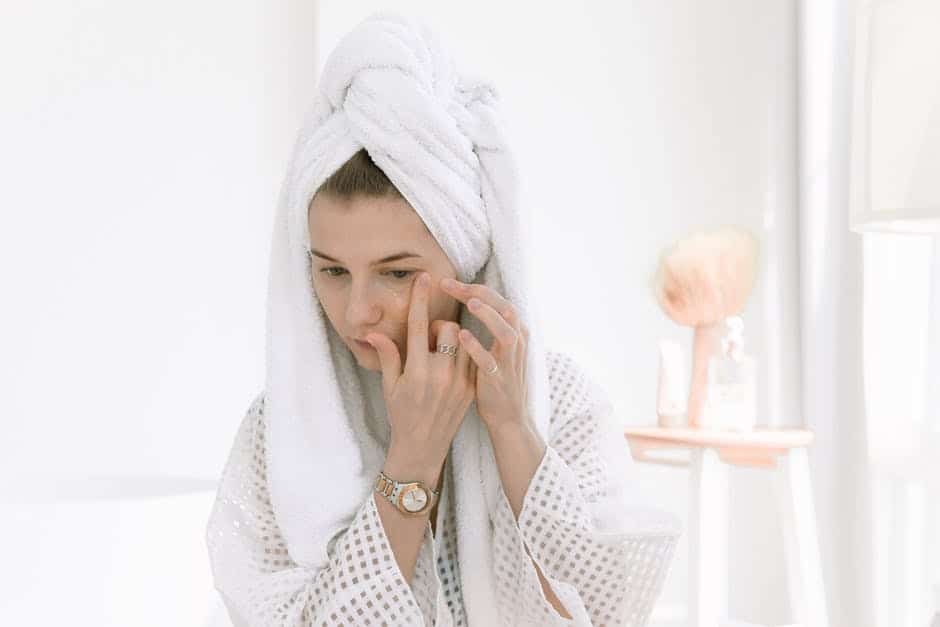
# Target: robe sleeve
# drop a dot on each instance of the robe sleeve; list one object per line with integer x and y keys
{"x": 606, "y": 568}
{"x": 261, "y": 585}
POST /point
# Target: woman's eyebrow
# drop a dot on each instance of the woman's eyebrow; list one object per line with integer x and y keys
{"x": 395, "y": 257}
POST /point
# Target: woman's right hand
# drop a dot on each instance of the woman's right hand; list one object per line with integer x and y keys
{"x": 427, "y": 401}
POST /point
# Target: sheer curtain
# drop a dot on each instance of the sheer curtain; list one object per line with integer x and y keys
{"x": 902, "y": 396}
{"x": 870, "y": 326}
{"x": 831, "y": 318}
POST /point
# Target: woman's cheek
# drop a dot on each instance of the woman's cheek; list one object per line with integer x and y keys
{"x": 398, "y": 302}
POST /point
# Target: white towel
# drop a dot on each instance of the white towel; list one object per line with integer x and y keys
{"x": 390, "y": 86}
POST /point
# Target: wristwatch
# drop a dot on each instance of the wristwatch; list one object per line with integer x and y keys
{"x": 412, "y": 498}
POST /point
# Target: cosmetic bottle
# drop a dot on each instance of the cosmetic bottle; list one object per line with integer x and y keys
{"x": 731, "y": 392}
{"x": 670, "y": 395}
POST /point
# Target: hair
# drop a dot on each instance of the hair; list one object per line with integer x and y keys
{"x": 359, "y": 176}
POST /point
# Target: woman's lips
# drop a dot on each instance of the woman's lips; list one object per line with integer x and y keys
{"x": 363, "y": 345}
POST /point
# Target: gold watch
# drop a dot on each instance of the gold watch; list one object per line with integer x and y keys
{"x": 412, "y": 498}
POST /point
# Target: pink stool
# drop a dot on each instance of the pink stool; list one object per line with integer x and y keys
{"x": 710, "y": 453}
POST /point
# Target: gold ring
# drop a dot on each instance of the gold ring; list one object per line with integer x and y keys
{"x": 449, "y": 349}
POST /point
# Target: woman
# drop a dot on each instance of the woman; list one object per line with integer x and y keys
{"x": 416, "y": 457}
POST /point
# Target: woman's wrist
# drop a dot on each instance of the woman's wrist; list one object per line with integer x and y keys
{"x": 404, "y": 467}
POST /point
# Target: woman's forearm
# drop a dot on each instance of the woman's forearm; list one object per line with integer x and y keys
{"x": 405, "y": 533}
{"x": 519, "y": 450}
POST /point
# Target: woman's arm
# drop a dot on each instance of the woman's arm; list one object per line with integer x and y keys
{"x": 546, "y": 526}
{"x": 261, "y": 585}
{"x": 405, "y": 534}
{"x": 519, "y": 451}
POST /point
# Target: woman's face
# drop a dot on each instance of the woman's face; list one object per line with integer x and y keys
{"x": 362, "y": 289}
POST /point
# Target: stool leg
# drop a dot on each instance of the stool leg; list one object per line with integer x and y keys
{"x": 708, "y": 539}
{"x": 798, "y": 521}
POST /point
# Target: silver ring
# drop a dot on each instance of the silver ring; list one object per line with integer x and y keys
{"x": 495, "y": 368}
{"x": 449, "y": 349}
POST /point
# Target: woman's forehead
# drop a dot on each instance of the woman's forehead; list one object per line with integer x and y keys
{"x": 367, "y": 227}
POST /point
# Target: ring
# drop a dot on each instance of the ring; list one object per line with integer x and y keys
{"x": 495, "y": 368}
{"x": 449, "y": 349}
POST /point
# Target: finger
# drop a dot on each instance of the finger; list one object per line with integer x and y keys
{"x": 417, "y": 359}
{"x": 465, "y": 291}
{"x": 471, "y": 375}
{"x": 502, "y": 331}
{"x": 523, "y": 332}
{"x": 434, "y": 330}
{"x": 464, "y": 363}
{"x": 483, "y": 359}
{"x": 389, "y": 359}
{"x": 448, "y": 335}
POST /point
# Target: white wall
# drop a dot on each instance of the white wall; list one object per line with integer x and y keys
{"x": 143, "y": 145}
{"x": 142, "y": 148}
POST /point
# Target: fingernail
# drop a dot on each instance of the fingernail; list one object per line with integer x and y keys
{"x": 450, "y": 283}
{"x": 425, "y": 278}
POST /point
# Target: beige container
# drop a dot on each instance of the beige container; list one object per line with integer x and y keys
{"x": 671, "y": 390}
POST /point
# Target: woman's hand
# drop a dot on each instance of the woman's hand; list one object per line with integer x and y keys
{"x": 501, "y": 395}
{"x": 427, "y": 401}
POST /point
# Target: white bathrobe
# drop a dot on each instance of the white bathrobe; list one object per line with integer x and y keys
{"x": 602, "y": 575}
{"x": 294, "y": 537}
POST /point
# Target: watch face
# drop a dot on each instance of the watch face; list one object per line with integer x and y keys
{"x": 414, "y": 499}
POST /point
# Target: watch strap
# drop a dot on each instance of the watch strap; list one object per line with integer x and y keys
{"x": 392, "y": 488}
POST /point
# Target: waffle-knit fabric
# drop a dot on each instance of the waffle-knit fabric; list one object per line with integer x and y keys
{"x": 601, "y": 577}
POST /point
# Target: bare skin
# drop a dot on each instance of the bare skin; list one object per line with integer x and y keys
{"x": 358, "y": 298}
{"x": 362, "y": 299}
{"x": 427, "y": 394}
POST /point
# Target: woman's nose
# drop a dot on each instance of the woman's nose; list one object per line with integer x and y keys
{"x": 363, "y": 307}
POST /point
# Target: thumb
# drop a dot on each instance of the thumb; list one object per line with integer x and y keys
{"x": 389, "y": 359}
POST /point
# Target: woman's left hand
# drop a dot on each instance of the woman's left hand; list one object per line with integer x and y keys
{"x": 500, "y": 396}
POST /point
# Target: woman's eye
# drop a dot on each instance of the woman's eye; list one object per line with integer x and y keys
{"x": 397, "y": 274}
